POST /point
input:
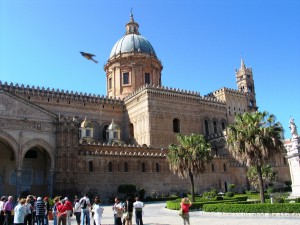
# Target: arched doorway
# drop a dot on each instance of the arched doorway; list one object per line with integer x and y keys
{"x": 8, "y": 178}
{"x": 35, "y": 170}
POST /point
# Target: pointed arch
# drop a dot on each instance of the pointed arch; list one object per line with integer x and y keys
{"x": 38, "y": 143}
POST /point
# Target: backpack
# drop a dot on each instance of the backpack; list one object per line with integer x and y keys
{"x": 83, "y": 204}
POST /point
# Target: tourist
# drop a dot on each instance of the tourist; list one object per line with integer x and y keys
{"x": 118, "y": 211}
{"x": 28, "y": 216}
{"x": 20, "y": 212}
{"x": 98, "y": 211}
{"x": 40, "y": 211}
{"x": 185, "y": 205}
{"x": 61, "y": 213}
{"x": 69, "y": 207}
{"x": 77, "y": 211}
{"x": 128, "y": 208}
{"x": 2, "y": 217}
{"x": 138, "y": 207}
{"x": 47, "y": 208}
{"x": 54, "y": 209}
{"x": 85, "y": 212}
{"x": 8, "y": 208}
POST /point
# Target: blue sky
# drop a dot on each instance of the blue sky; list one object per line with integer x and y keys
{"x": 200, "y": 43}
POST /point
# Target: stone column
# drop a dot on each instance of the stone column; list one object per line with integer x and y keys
{"x": 18, "y": 182}
{"x": 51, "y": 182}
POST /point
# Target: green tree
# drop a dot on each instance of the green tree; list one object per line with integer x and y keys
{"x": 255, "y": 138}
{"x": 188, "y": 159}
{"x": 268, "y": 174}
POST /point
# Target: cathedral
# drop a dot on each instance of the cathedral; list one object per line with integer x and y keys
{"x": 64, "y": 142}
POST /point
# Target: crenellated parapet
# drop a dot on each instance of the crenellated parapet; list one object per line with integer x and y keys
{"x": 102, "y": 149}
{"x": 225, "y": 90}
{"x": 57, "y": 94}
{"x": 172, "y": 92}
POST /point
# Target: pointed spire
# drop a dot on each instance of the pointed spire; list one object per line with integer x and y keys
{"x": 242, "y": 64}
{"x": 131, "y": 16}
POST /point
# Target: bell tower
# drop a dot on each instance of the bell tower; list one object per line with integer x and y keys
{"x": 245, "y": 83}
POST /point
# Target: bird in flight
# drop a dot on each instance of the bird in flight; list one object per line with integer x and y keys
{"x": 88, "y": 56}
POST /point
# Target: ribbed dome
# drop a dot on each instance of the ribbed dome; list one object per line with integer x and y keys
{"x": 132, "y": 41}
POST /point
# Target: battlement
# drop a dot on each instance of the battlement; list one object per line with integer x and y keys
{"x": 173, "y": 92}
{"x": 226, "y": 91}
{"x": 104, "y": 149}
{"x": 57, "y": 94}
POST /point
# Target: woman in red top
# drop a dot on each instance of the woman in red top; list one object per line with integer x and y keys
{"x": 61, "y": 213}
{"x": 185, "y": 205}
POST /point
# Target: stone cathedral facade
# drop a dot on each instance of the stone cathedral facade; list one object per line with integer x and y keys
{"x": 55, "y": 141}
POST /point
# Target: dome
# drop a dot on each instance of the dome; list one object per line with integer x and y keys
{"x": 132, "y": 41}
{"x": 113, "y": 126}
{"x": 86, "y": 124}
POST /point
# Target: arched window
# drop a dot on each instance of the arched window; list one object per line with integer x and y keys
{"x": 91, "y": 167}
{"x": 206, "y": 127}
{"x": 125, "y": 167}
{"x": 31, "y": 154}
{"x": 212, "y": 167}
{"x": 215, "y": 127}
{"x": 143, "y": 167}
{"x": 224, "y": 167}
{"x": 176, "y": 125}
{"x": 131, "y": 130}
{"x": 157, "y": 168}
{"x": 110, "y": 169}
{"x": 223, "y": 126}
{"x": 104, "y": 137}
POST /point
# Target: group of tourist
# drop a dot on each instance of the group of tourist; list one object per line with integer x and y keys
{"x": 31, "y": 210}
{"x": 124, "y": 211}
{"x": 27, "y": 211}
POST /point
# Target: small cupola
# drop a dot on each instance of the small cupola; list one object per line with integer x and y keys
{"x": 86, "y": 130}
{"x": 113, "y": 132}
{"x": 132, "y": 27}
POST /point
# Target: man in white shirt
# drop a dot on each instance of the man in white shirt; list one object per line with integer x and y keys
{"x": 138, "y": 206}
{"x": 118, "y": 211}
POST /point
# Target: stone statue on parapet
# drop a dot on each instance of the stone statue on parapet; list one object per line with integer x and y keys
{"x": 293, "y": 128}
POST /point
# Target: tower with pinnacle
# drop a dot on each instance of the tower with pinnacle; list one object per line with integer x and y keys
{"x": 245, "y": 83}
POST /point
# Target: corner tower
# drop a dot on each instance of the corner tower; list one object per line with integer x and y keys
{"x": 245, "y": 83}
{"x": 132, "y": 63}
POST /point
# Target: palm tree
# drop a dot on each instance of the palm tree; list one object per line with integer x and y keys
{"x": 188, "y": 159}
{"x": 255, "y": 138}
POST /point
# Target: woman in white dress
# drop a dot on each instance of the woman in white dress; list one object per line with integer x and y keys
{"x": 98, "y": 211}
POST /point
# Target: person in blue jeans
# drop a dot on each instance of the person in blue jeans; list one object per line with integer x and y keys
{"x": 85, "y": 212}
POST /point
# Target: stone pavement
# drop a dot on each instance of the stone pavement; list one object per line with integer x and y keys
{"x": 156, "y": 214}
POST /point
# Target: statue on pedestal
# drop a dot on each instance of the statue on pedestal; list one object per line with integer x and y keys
{"x": 293, "y": 128}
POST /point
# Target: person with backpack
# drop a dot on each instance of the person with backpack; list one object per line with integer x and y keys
{"x": 85, "y": 212}
{"x": 77, "y": 211}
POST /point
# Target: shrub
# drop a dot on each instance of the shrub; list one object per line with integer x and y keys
{"x": 253, "y": 208}
{"x": 229, "y": 194}
{"x": 231, "y": 187}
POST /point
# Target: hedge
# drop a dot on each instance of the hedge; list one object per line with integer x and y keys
{"x": 253, "y": 208}
{"x": 175, "y": 205}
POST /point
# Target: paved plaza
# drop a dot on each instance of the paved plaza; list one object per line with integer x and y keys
{"x": 156, "y": 214}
